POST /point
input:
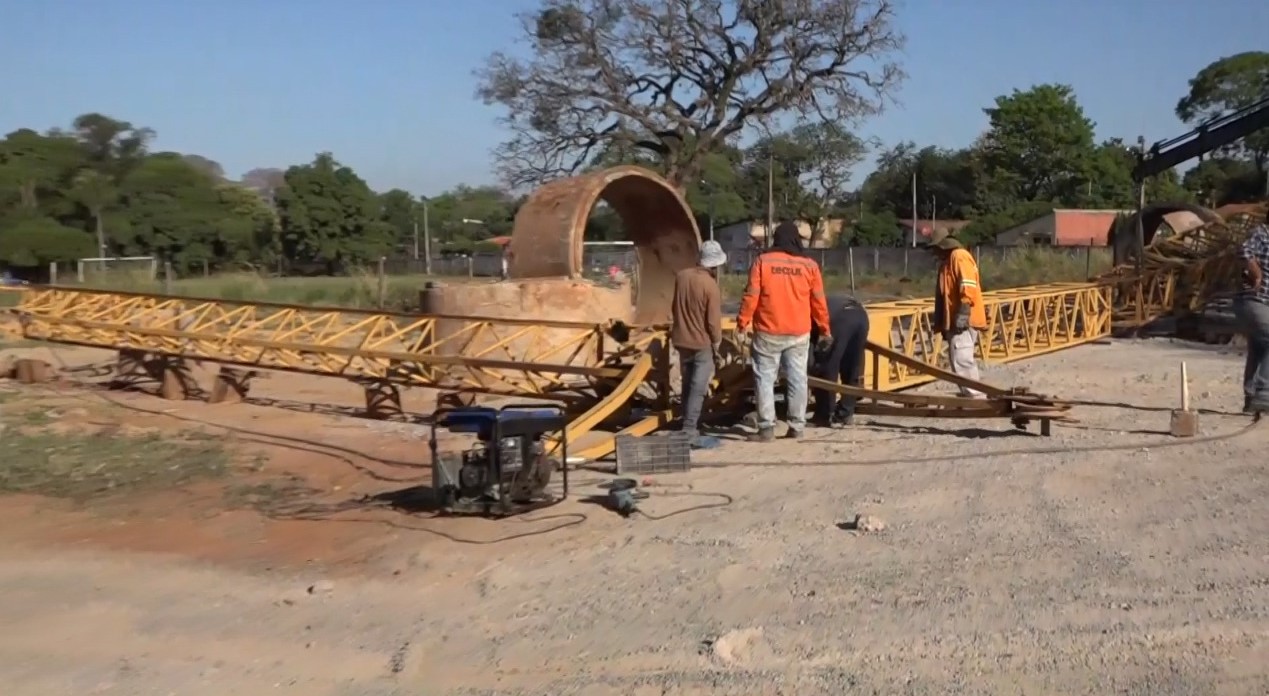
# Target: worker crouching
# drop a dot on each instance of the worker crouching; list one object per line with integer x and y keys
{"x": 959, "y": 313}
{"x": 840, "y": 358}
{"x": 785, "y": 295}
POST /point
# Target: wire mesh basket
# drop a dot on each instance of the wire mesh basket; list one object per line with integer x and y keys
{"x": 658, "y": 454}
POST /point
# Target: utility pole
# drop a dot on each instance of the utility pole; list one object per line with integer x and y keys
{"x": 705, "y": 185}
{"x": 711, "y": 216}
{"x": 427, "y": 241}
{"x": 416, "y": 239}
{"x": 770, "y": 199}
{"x": 934, "y": 214}
{"x": 1141, "y": 203}
{"x": 914, "y": 210}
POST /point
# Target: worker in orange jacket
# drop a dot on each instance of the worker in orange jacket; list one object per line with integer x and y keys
{"x": 959, "y": 313}
{"x": 784, "y": 296}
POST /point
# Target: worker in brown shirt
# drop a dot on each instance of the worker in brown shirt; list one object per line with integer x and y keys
{"x": 697, "y": 331}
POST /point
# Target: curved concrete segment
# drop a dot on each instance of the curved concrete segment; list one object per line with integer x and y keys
{"x": 549, "y": 229}
{"x": 1124, "y": 246}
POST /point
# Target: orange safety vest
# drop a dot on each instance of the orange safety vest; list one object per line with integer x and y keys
{"x": 959, "y": 284}
{"x": 781, "y": 289}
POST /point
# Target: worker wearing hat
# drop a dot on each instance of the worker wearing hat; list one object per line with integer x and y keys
{"x": 959, "y": 313}
{"x": 697, "y": 330}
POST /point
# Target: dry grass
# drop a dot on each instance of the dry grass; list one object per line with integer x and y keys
{"x": 46, "y": 450}
{"x": 1015, "y": 268}
{"x": 359, "y": 291}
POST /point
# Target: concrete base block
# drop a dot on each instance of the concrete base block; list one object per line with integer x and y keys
{"x": 30, "y": 371}
{"x": 173, "y": 375}
{"x": 231, "y": 385}
{"x": 175, "y": 381}
{"x": 383, "y": 401}
{"x": 1184, "y": 423}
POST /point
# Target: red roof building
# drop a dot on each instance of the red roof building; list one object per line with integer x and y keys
{"x": 923, "y": 230}
{"x": 1063, "y": 228}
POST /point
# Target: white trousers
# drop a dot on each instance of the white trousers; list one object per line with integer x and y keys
{"x": 960, "y": 353}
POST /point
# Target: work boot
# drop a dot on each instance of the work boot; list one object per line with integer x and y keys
{"x": 844, "y": 421}
{"x": 793, "y": 434}
{"x": 763, "y": 435}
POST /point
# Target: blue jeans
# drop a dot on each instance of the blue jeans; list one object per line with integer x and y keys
{"x": 1254, "y": 318}
{"x": 771, "y": 353}
{"x": 696, "y": 369}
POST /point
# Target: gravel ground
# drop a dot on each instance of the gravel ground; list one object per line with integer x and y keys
{"x": 1000, "y": 569}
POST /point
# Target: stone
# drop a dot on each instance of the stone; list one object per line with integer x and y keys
{"x": 321, "y": 587}
{"x": 869, "y": 524}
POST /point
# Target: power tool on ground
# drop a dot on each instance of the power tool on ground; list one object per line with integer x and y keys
{"x": 507, "y": 470}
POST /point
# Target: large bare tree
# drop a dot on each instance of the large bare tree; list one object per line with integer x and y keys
{"x": 678, "y": 78}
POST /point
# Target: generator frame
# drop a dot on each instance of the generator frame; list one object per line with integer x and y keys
{"x": 500, "y": 426}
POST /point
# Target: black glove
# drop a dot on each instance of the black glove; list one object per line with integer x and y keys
{"x": 824, "y": 344}
{"x": 962, "y": 319}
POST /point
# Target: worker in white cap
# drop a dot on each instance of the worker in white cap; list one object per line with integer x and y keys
{"x": 697, "y": 330}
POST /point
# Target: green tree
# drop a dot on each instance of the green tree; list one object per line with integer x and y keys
{"x": 177, "y": 211}
{"x": 115, "y": 147}
{"x": 265, "y": 245}
{"x": 328, "y": 215}
{"x": 983, "y": 229}
{"x": 466, "y": 214}
{"x": 36, "y": 241}
{"x": 1225, "y": 86}
{"x": 875, "y": 228}
{"x": 715, "y": 193}
{"x": 945, "y": 182}
{"x": 810, "y": 169}
{"x": 679, "y": 79}
{"x": 33, "y": 166}
{"x": 1108, "y": 181}
{"x": 1039, "y": 146}
{"x": 401, "y": 211}
{"x": 96, "y": 192}
{"x": 1220, "y": 180}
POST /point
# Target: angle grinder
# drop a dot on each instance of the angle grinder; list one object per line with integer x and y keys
{"x": 623, "y": 496}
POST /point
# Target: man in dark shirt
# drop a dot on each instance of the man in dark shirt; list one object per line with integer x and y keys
{"x": 842, "y": 360}
{"x": 697, "y": 330}
{"x": 1253, "y": 313}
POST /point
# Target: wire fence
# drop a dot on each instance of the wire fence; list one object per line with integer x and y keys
{"x": 395, "y": 282}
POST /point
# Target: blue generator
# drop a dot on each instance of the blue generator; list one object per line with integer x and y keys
{"x": 507, "y": 470}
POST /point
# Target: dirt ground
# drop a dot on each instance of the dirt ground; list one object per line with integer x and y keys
{"x": 1008, "y": 562}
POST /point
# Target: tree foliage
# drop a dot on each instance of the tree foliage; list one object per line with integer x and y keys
{"x": 693, "y": 89}
{"x": 328, "y": 215}
{"x": 679, "y": 79}
{"x": 1224, "y": 87}
{"x": 1038, "y": 146}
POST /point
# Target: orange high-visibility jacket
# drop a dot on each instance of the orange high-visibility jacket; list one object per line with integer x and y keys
{"x": 781, "y": 289}
{"x": 959, "y": 284}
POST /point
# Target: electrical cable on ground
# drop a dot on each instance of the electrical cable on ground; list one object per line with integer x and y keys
{"x": 724, "y": 501}
{"x": 1155, "y": 444}
{"x": 311, "y": 512}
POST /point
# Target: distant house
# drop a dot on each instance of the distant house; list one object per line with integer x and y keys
{"x": 1063, "y": 227}
{"x": 753, "y": 234}
{"x": 922, "y": 230}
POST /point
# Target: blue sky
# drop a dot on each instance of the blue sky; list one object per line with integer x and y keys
{"x": 387, "y": 84}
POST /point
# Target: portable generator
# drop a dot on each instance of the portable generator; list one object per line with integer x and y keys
{"x": 508, "y": 470}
